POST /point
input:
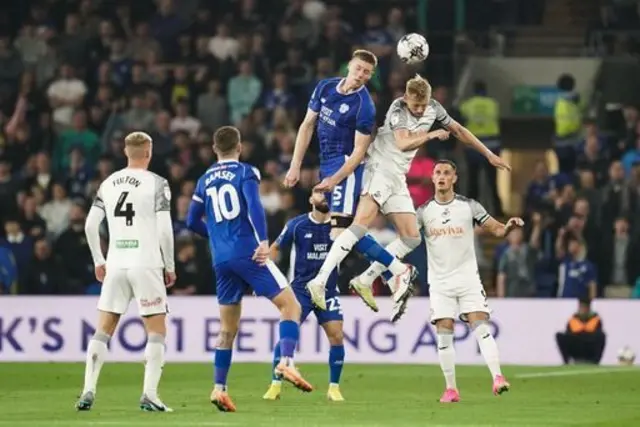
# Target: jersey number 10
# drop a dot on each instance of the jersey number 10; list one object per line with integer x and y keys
{"x": 128, "y": 213}
{"x": 225, "y": 202}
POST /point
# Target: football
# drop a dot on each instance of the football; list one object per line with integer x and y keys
{"x": 412, "y": 48}
{"x": 626, "y": 356}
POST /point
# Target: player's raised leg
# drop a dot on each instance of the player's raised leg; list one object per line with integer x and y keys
{"x": 229, "y": 324}
{"x": 97, "y": 351}
{"x": 365, "y": 214}
{"x": 479, "y": 322}
{"x": 404, "y": 220}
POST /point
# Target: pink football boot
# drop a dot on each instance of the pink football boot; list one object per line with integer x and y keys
{"x": 450, "y": 395}
{"x": 500, "y": 385}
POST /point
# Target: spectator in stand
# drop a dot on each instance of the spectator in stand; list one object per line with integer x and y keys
{"x": 65, "y": 95}
{"x": 45, "y": 272}
{"x": 630, "y": 157}
{"x": 618, "y": 267}
{"x": 592, "y": 158}
{"x": 577, "y": 276}
{"x": 243, "y": 92}
{"x": 516, "y": 278}
{"x": 79, "y": 136}
{"x": 187, "y": 272}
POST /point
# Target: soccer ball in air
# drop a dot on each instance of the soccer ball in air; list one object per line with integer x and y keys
{"x": 626, "y": 356}
{"x": 412, "y": 48}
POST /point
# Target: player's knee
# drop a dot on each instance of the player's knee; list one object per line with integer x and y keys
{"x": 444, "y": 324}
{"x": 288, "y": 305}
{"x": 107, "y": 322}
{"x": 481, "y": 329}
{"x": 411, "y": 242}
{"x": 336, "y": 337}
{"x": 155, "y": 324}
{"x": 339, "y": 223}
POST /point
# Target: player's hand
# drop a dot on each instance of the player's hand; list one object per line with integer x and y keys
{"x": 169, "y": 278}
{"x": 292, "y": 177}
{"x": 514, "y": 223}
{"x": 101, "y": 271}
{"x": 496, "y": 161}
{"x": 261, "y": 254}
{"x": 441, "y": 134}
{"x": 325, "y": 186}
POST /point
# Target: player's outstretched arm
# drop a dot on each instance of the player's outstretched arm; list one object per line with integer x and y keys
{"x": 409, "y": 141}
{"x": 303, "y": 139}
{"x": 92, "y": 232}
{"x": 499, "y": 229}
{"x": 465, "y": 136}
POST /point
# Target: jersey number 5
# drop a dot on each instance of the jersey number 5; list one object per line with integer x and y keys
{"x": 225, "y": 202}
{"x": 128, "y": 213}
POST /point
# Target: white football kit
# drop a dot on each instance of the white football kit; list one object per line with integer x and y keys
{"x": 454, "y": 281}
{"x": 136, "y": 203}
{"x": 385, "y": 175}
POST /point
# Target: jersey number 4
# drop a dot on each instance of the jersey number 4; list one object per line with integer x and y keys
{"x": 127, "y": 213}
{"x": 225, "y": 202}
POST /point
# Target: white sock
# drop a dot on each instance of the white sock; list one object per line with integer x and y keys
{"x": 488, "y": 347}
{"x": 397, "y": 267}
{"x": 447, "y": 357}
{"x": 339, "y": 251}
{"x": 397, "y": 248}
{"x": 96, "y": 354}
{"x": 154, "y": 357}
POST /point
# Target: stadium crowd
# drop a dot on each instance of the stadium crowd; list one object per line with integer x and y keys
{"x": 75, "y": 78}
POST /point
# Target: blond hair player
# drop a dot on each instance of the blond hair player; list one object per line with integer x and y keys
{"x": 139, "y": 264}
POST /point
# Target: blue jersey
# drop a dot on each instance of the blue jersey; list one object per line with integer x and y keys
{"x": 574, "y": 278}
{"x": 310, "y": 242}
{"x": 234, "y": 218}
{"x": 339, "y": 117}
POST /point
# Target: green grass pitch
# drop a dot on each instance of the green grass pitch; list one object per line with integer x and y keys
{"x": 44, "y": 394}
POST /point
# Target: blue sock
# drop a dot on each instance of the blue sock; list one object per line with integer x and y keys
{"x": 276, "y": 360}
{"x": 373, "y": 251}
{"x": 336, "y": 362}
{"x": 387, "y": 275}
{"x": 222, "y": 363}
{"x": 289, "y": 334}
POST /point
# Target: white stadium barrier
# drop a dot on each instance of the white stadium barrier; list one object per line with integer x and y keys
{"x": 39, "y": 329}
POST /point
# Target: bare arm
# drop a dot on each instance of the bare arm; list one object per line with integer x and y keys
{"x": 274, "y": 252}
{"x": 303, "y": 139}
{"x": 560, "y": 252}
{"x": 499, "y": 229}
{"x": 361, "y": 144}
{"x": 463, "y": 135}
{"x": 409, "y": 141}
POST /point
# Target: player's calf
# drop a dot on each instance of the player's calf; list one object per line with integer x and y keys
{"x": 289, "y": 334}
{"x": 447, "y": 359}
{"x": 335, "y": 336}
{"x": 489, "y": 348}
{"x": 155, "y": 326}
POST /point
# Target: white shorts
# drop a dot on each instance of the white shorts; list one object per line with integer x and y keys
{"x": 390, "y": 193}
{"x": 146, "y": 285}
{"x": 457, "y": 302}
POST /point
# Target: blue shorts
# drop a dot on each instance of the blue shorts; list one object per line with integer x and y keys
{"x": 332, "y": 313}
{"x": 345, "y": 196}
{"x": 235, "y": 277}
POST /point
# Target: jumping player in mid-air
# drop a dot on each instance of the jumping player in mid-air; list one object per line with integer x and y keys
{"x": 228, "y": 194}
{"x": 406, "y": 127}
{"x": 344, "y": 114}
{"x": 308, "y": 237}
{"x": 455, "y": 288}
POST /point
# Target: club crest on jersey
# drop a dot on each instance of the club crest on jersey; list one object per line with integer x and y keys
{"x": 343, "y": 108}
{"x": 446, "y": 213}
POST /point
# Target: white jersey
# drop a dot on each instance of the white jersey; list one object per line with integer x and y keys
{"x": 130, "y": 199}
{"x": 449, "y": 234}
{"x": 384, "y": 154}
